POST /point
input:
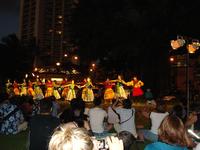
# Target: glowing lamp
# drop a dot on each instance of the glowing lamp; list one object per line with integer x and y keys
{"x": 171, "y": 59}
{"x": 175, "y": 44}
{"x": 192, "y": 48}
{"x": 58, "y": 64}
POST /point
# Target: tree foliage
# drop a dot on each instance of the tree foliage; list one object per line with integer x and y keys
{"x": 16, "y": 59}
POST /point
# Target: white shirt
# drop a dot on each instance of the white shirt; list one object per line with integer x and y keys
{"x": 130, "y": 124}
{"x": 96, "y": 117}
{"x": 156, "y": 119}
{"x": 112, "y": 116}
{"x": 197, "y": 147}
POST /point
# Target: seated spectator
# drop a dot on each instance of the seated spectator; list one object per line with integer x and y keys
{"x": 190, "y": 121}
{"x": 113, "y": 118}
{"x": 27, "y": 106}
{"x": 75, "y": 113}
{"x": 156, "y": 119}
{"x": 172, "y": 135}
{"x": 127, "y": 138}
{"x": 12, "y": 119}
{"x": 197, "y": 147}
{"x": 97, "y": 117}
{"x": 179, "y": 111}
{"x": 71, "y": 139}
{"x": 55, "y": 107}
{"x": 127, "y": 117}
{"x": 41, "y": 126}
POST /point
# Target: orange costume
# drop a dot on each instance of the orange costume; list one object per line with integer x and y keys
{"x": 16, "y": 88}
{"x": 109, "y": 93}
{"x": 49, "y": 88}
{"x": 65, "y": 88}
{"x": 30, "y": 89}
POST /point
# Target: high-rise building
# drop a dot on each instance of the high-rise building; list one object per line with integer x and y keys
{"x": 45, "y": 23}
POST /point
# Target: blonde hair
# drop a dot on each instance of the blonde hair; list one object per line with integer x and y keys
{"x": 173, "y": 131}
{"x": 71, "y": 139}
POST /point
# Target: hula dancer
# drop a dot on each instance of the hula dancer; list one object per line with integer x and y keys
{"x": 87, "y": 92}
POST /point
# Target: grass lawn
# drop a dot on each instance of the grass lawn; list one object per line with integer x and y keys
{"x": 13, "y": 142}
{"x": 18, "y": 142}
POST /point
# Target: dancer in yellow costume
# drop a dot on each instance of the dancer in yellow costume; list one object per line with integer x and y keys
{"x": 87, "y": 92}
{"x": 55, "y": 90}
{"x": 109, "y": 93}
{"x": 71, "y": 94}
{"x": 38, "y": 91}
{"x": 119, "y": 88}
{"x": 23, "y": 88}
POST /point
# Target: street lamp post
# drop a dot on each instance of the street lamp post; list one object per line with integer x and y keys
{"x": 188, "y": 82}
{"x": 191, "y": 46}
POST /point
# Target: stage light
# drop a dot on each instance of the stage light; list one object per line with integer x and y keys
{"x": 175, "y": 44}
{"x": 192, "y": 48}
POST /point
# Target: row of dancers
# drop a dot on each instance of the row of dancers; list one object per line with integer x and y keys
{"x": 68, "y": 89}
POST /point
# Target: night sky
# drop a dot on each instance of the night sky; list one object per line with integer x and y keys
{"x": 152, "y": 24}
{"x": 9, "y": 16}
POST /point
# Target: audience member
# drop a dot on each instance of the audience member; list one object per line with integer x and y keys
{"x": 172, "y": 135}
{"x": 97, "y": 117}
{"x": 75, "y": 113}
{"x": 189, "y": 121}
{"x": 12, "y": 119}
{"x": 127, "y": 138}
{"x": 71, "y": 139}
{"x": 113, "y": 117}
{"x": 42, "y": 126}
{"x": 55, "y": 107}
{"x": 179, "y": 111}
{"x": 127, "y": 117}
{"x": 156, "y": 119}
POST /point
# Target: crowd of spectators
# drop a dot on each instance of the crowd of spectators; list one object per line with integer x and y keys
{"x": 78, "y": 127}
